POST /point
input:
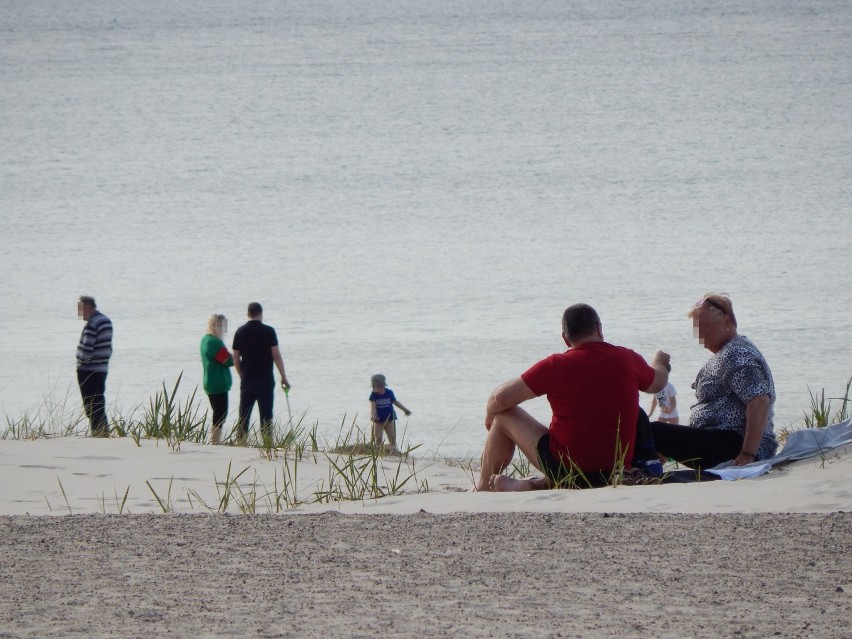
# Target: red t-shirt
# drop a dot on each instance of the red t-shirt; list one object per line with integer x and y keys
{"x": 592, "y": 389}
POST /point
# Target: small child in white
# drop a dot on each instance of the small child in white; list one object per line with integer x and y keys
{"x": 382, "y": 414}
{"x": 667, "y": 401}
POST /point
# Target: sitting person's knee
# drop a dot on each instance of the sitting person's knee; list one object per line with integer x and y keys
{"x": 503, "y": 421}
{"x": 510, "y": 414}
{"x": 499, "y": 422}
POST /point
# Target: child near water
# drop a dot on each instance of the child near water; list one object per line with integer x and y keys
{"x": 382, "y": 414}
{"x": 666, "y": 399}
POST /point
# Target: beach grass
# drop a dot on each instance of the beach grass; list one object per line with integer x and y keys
{"x": 51, "y": 418}
{"x": 62, "y": 488}
{"x": 168, "y": 418}
{"x": 358, "y": 469}
{"x": 166, "y": 504}
{"x": 820, "y": 413}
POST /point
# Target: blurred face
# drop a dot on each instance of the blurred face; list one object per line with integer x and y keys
{"x": 222, "y": 326}
{"x": 711, "y": 328}
{"x": 84, "y": 311}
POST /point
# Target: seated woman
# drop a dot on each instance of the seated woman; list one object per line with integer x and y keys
{"x": 736, "y": 395}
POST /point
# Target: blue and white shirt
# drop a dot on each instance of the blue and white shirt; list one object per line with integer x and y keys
{"x": 95, "y": 347}
{"x": 384, "y": 405}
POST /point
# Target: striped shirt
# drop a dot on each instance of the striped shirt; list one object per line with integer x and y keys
{"x": 95, "y": 347}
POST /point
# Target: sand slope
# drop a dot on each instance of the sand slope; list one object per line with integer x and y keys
{"x": 95, "y": 474}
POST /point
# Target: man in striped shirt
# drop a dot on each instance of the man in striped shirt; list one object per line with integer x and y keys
{"x": 93, "y": 355}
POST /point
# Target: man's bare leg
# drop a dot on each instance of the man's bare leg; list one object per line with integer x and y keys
{"x": 503, "y": 484}
{"x": 511, "y": 428}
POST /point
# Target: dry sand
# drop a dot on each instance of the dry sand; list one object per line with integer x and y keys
{"x": 51, "y": 476}
{"x": 764, "y": 557}
{"x": 425, "y": 575}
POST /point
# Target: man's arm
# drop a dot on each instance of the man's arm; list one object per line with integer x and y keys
{"x": 87, "y": 343}
{"x": 661, "y": 373}
{"x": 506, "y": 396}
{"x": 237, "y": 365}
{"x": 279, "y": 363}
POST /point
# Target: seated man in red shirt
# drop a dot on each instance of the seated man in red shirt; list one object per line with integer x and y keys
{"x": 593, "y": 390}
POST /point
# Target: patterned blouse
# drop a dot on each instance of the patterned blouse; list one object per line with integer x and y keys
{"x": 726, "y": 383}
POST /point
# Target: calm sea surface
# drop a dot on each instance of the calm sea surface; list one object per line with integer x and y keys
{"x": 420, "y": 188}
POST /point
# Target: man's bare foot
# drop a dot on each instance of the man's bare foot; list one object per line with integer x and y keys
{"x": 503, "y": 484}
{"x": 486, "y": 487}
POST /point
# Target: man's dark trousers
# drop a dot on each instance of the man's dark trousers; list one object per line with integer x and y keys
{"x": 262, "y": 392}
{"x": 92, "y": 388}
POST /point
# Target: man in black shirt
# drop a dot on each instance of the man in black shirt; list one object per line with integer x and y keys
{"x": 255, "y": 350}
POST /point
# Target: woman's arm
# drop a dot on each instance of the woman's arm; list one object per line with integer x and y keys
{"x": 374, "y": 415}
{"x": 218, "y": 352}
{"x": 757, "y": 414}
{"x": 653, "y": 406}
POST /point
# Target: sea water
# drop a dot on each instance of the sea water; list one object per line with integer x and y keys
{"x": 419, "y": 188}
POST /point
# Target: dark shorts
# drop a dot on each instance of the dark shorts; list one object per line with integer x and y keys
{"x": 560, "y": 472}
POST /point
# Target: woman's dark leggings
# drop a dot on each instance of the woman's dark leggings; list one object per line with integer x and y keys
{"x": 219, "y": 404}
{"x": 696, "y": 447}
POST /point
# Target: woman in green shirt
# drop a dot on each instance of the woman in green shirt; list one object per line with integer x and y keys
{"x": 217, "y": 361}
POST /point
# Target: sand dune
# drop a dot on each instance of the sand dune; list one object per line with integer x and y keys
{"x": 51, "y": 476}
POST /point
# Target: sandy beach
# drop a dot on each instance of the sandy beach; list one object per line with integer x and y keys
{"x": 81, "y": 475}
{"x": 460, "y": 575}
{"x": 770, "y": 556}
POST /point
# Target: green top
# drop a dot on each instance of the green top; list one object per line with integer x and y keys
{"x": 217, "y": 360}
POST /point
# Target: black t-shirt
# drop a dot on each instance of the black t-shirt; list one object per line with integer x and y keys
{"x": 254, "y": 340}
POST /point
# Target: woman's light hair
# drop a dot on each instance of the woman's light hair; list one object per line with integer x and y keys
{"x": 214, "y": 324}
{"x": 719, "y": 304}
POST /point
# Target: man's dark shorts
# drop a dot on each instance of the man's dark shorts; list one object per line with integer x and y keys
{"x": 560, "y": 473}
